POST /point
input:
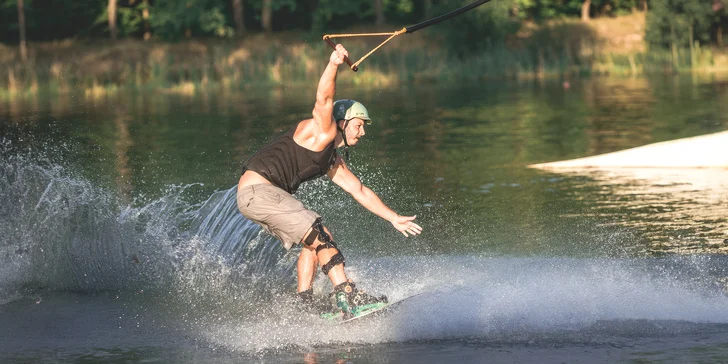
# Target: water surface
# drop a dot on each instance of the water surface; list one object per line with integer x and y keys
{"x": 120, "y": 239}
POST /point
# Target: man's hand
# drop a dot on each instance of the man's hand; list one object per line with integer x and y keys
{"x": 337, "y": 56}
{"x": 405, "y": 225}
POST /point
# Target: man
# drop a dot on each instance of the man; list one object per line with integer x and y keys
{"x": 306, "y": 152}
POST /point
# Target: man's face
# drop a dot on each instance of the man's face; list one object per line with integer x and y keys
{"x": 354, "y": 131}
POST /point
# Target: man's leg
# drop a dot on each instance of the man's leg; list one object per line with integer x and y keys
{"x": 307, "y": 266}
{"x": 336, "y": 274}
{"x": 320, "y": 241}
{"x": 308, "y": 262}
{"x": 318, "y": 244}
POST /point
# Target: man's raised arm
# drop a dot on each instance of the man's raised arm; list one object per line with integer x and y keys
{"x": 323, "y": 109}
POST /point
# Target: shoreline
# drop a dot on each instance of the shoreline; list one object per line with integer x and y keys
{"x": 560, "y": 50}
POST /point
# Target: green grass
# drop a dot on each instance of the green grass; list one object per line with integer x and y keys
{"x": 100, "y": 68}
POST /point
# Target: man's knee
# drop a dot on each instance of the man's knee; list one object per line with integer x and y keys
{"x": 309, "y": 240}
{"x": 309, "y": 256}
{"x": 324, "y": 238}
{"x": 319, "y": 238}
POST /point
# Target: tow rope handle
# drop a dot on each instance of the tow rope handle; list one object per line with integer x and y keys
{"x": 346, "y": 59}
{"x": 355, "y": 66}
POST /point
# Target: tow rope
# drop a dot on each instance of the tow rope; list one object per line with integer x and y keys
{"x": 410, "y": 29}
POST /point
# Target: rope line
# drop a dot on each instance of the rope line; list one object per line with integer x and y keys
{"x": 377, "y": 47}
{"x": 427, "y": 23}
{"x": 390, "y": 34}
{"x": 410, "y": 29}
{"x": 363, "y": 34}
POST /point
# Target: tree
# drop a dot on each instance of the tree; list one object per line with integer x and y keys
{"x": 238, "y": 15}
{"x": 718, "y": 5}
{"x": 124, "y": 18}
{"x": 266, "y": 16}
{"x": 111, "y": 14}
{"x": 478, "y": 29}
{"x": 379, "y": 11}
{"x": 679, "y": 23}
{"x": 145, "y": 16}
{"x": 585, "y": 10}
{"x": 719, "y": 8}
{"x": 313, "y": 8}
{"x": 267, "y": 7}
{"x": 172, "y": 19}
{"x": 428, "y": 9}
{"x": 21, "y": 29}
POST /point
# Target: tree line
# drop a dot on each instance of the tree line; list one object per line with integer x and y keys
{"x": 670, "y": 22}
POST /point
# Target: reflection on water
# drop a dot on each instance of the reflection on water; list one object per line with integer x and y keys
{"x": 454, "y": 155}
{"x": 676, "y": 210}
{"x": 314, "y": 358}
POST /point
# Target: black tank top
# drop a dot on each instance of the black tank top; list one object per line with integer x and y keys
{"x": 286, "y": 164}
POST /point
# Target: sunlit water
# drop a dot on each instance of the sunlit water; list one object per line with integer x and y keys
{"x": 120, "y": 239}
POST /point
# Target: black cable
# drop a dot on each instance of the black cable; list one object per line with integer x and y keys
{"x": 427, "y": 23}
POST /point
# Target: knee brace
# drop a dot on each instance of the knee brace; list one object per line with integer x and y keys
{"x": 317, "y": 231}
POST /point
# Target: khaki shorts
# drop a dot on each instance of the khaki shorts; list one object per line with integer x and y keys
{"x": 277, "y": 211}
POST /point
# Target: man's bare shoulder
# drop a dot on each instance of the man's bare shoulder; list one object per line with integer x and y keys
{"x": 309, "y": 135}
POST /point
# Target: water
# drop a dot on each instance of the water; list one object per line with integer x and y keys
{"x": 120, "y": 240}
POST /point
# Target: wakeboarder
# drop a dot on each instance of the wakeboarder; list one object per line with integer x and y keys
{"x": 305, "y": 152}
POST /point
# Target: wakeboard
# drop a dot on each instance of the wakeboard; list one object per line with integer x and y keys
{"x": 370, "y": 310}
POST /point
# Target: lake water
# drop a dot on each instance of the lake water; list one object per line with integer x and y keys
{"x": 120, "y": 240}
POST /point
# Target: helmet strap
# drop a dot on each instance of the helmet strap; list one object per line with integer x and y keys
{"x": 346, "y": 144}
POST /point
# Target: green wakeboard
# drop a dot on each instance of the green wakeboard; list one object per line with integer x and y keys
{"x": 358, "y": 312}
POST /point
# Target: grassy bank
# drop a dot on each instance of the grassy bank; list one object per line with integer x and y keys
{"x": 559, "y": 49}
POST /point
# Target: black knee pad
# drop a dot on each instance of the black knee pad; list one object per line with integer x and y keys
{"x": 317, "y": 231}
{"x": 337, "y": 259}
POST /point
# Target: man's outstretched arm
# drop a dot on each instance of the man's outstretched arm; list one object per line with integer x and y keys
{"x": 323, "y": 109}
{"x": 342, "y": 176}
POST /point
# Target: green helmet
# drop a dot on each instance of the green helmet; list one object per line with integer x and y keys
{"x": 346, "y": 109}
